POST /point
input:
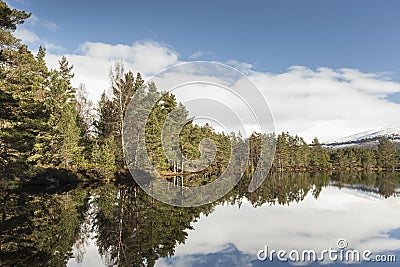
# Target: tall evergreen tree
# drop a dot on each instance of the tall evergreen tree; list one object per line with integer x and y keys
{"x": 105, "y": 124}
{"x": 22, "y": 79}
{"x": 282, "y": 151}
{"x": 386, "y": 155}
{"x": 63, "y": 145}
{"x": 319, "y": 157}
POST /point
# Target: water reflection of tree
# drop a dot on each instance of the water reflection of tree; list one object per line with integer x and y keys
{"x": 382, "y": 183}
{"x": 131, "y": 228}
{"x": 39, "y": 229}
{"x": 280, "y": 188}
{"x": 135, "y": 230}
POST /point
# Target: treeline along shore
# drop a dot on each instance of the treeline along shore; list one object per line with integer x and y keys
{"x": 49, "y": 128}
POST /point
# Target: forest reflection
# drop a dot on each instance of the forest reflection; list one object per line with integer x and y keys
{"x": 48, "y": 226}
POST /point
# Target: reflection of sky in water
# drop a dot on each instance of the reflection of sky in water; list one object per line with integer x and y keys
{"x": 91, "y": 258}
{"x": 395, "y": 233}
{"x": 365, "y": 221}
{"x": 231, "y": 236}
{"x": 232, "y": 257}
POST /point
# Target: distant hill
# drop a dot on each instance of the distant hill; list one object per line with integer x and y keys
{"x": 366, "y": 139}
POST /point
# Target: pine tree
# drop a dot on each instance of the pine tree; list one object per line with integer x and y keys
{"x": 70, "y": 149}
{"x": 103, "y": 157}
{"x": 386, "y": 155}
{"x": 319, "y": 156}
{"x": 22, "y": 79}
{"x": 368, "y": 160}
{"x": 105, "y": 125}
{"x": 282, "y": 151}
{"x": 304, "y": 154}
{"x": 10, "y": 18}
{"x": 64, "y": 145}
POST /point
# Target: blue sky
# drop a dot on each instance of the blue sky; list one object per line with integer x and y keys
{"x": 270, "y": 35}
{"x": 327, "y": 68}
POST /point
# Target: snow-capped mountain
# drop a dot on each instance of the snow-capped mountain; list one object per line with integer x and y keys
{"x": 369, "y": 138}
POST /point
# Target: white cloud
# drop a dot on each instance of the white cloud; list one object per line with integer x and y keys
{"x": 327, "y": 103}
{"x": 369, "y": 82}
{"x": 27, "y": 36}
{"x": 93, "y": 61}
{"x": 151, "y": 57}
{"x": 35, "y": 21}
{"x": 30, "y": 38}
{"x": 50, "y": 25}
{"x": 148, "y": 57}
{"x": 53, "y": 47}
{"x": 243, "y": 67}
{"x": 199, "y": 54}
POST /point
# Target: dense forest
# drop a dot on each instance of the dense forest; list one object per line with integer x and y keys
{"x": 47, "y": 125}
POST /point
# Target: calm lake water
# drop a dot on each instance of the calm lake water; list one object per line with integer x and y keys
{"x": 120, "y": 225}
